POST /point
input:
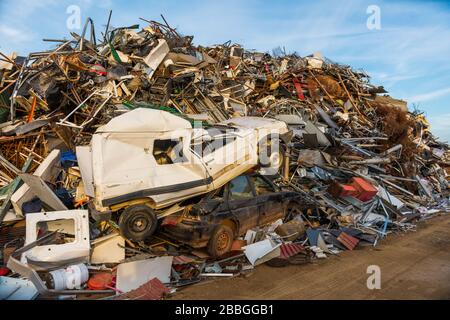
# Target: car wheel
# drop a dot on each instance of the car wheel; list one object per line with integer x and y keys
{"x": 221, "y": 241}
{"x": 138, "y": 222}
{"x": 292, "y": 210}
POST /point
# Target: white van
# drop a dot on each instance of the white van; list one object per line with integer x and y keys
{"x": 145, "y": 162}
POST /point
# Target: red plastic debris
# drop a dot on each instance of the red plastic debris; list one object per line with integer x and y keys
{"x": 342, "y": 190}
{"x": 299, "y": 89}
{"x": 4, "y": 271}
{"x": 366, "y": 191}
{"x": 99, "y": 70}
{"x": 101, "y": 281}
{"x": 359, "y": 189}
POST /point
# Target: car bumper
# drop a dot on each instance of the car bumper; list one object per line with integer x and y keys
{"x": 194, "y": 234}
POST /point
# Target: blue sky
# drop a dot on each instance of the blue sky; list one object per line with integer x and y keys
{"x": 409, "y": 55}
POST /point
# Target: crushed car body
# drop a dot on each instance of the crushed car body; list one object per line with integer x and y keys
{"x": 147, "y": 161}
{"x": 246, "y": 202}
{"x": 152, "y": 153}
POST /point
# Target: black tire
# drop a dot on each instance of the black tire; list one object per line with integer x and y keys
{"x": 138, "y": 223}
{"x": 221, "y": 241}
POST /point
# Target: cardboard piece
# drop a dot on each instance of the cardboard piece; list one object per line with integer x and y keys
{"x": 134, "y": 274}
{"x": 109, "y": 249}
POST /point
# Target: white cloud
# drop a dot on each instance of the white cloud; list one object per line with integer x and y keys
{"x": 22, "y": 9}
{"x": 440, "y": 126}
{"x": 430, "y": 95}
{"x": 97, "y": 3}
{"x": 14, "y": 34}
{"x": 13, "y": 39}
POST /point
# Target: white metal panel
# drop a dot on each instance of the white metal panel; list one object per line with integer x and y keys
{"x": 79, "y": 248}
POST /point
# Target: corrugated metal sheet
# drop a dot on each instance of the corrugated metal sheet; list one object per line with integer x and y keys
{"x": 348, "y": 241}
{"x": 152, "y": 290}
{"x": 290, "y": 249}
{"x": 182, "y": 260}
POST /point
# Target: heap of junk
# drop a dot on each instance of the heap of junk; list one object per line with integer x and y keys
{"x": 111, "y": 179}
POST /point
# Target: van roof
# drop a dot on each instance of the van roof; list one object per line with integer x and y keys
{"x": 145, "y": 120}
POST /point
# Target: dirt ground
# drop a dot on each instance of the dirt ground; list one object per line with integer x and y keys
{"x": 414, "y": 265}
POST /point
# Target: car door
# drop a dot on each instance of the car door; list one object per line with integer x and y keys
{"x": 268, "y": 200}
{"x": 242, "y": 203}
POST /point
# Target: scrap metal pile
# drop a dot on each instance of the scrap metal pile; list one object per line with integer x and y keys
{"x": 366, "y": 165}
